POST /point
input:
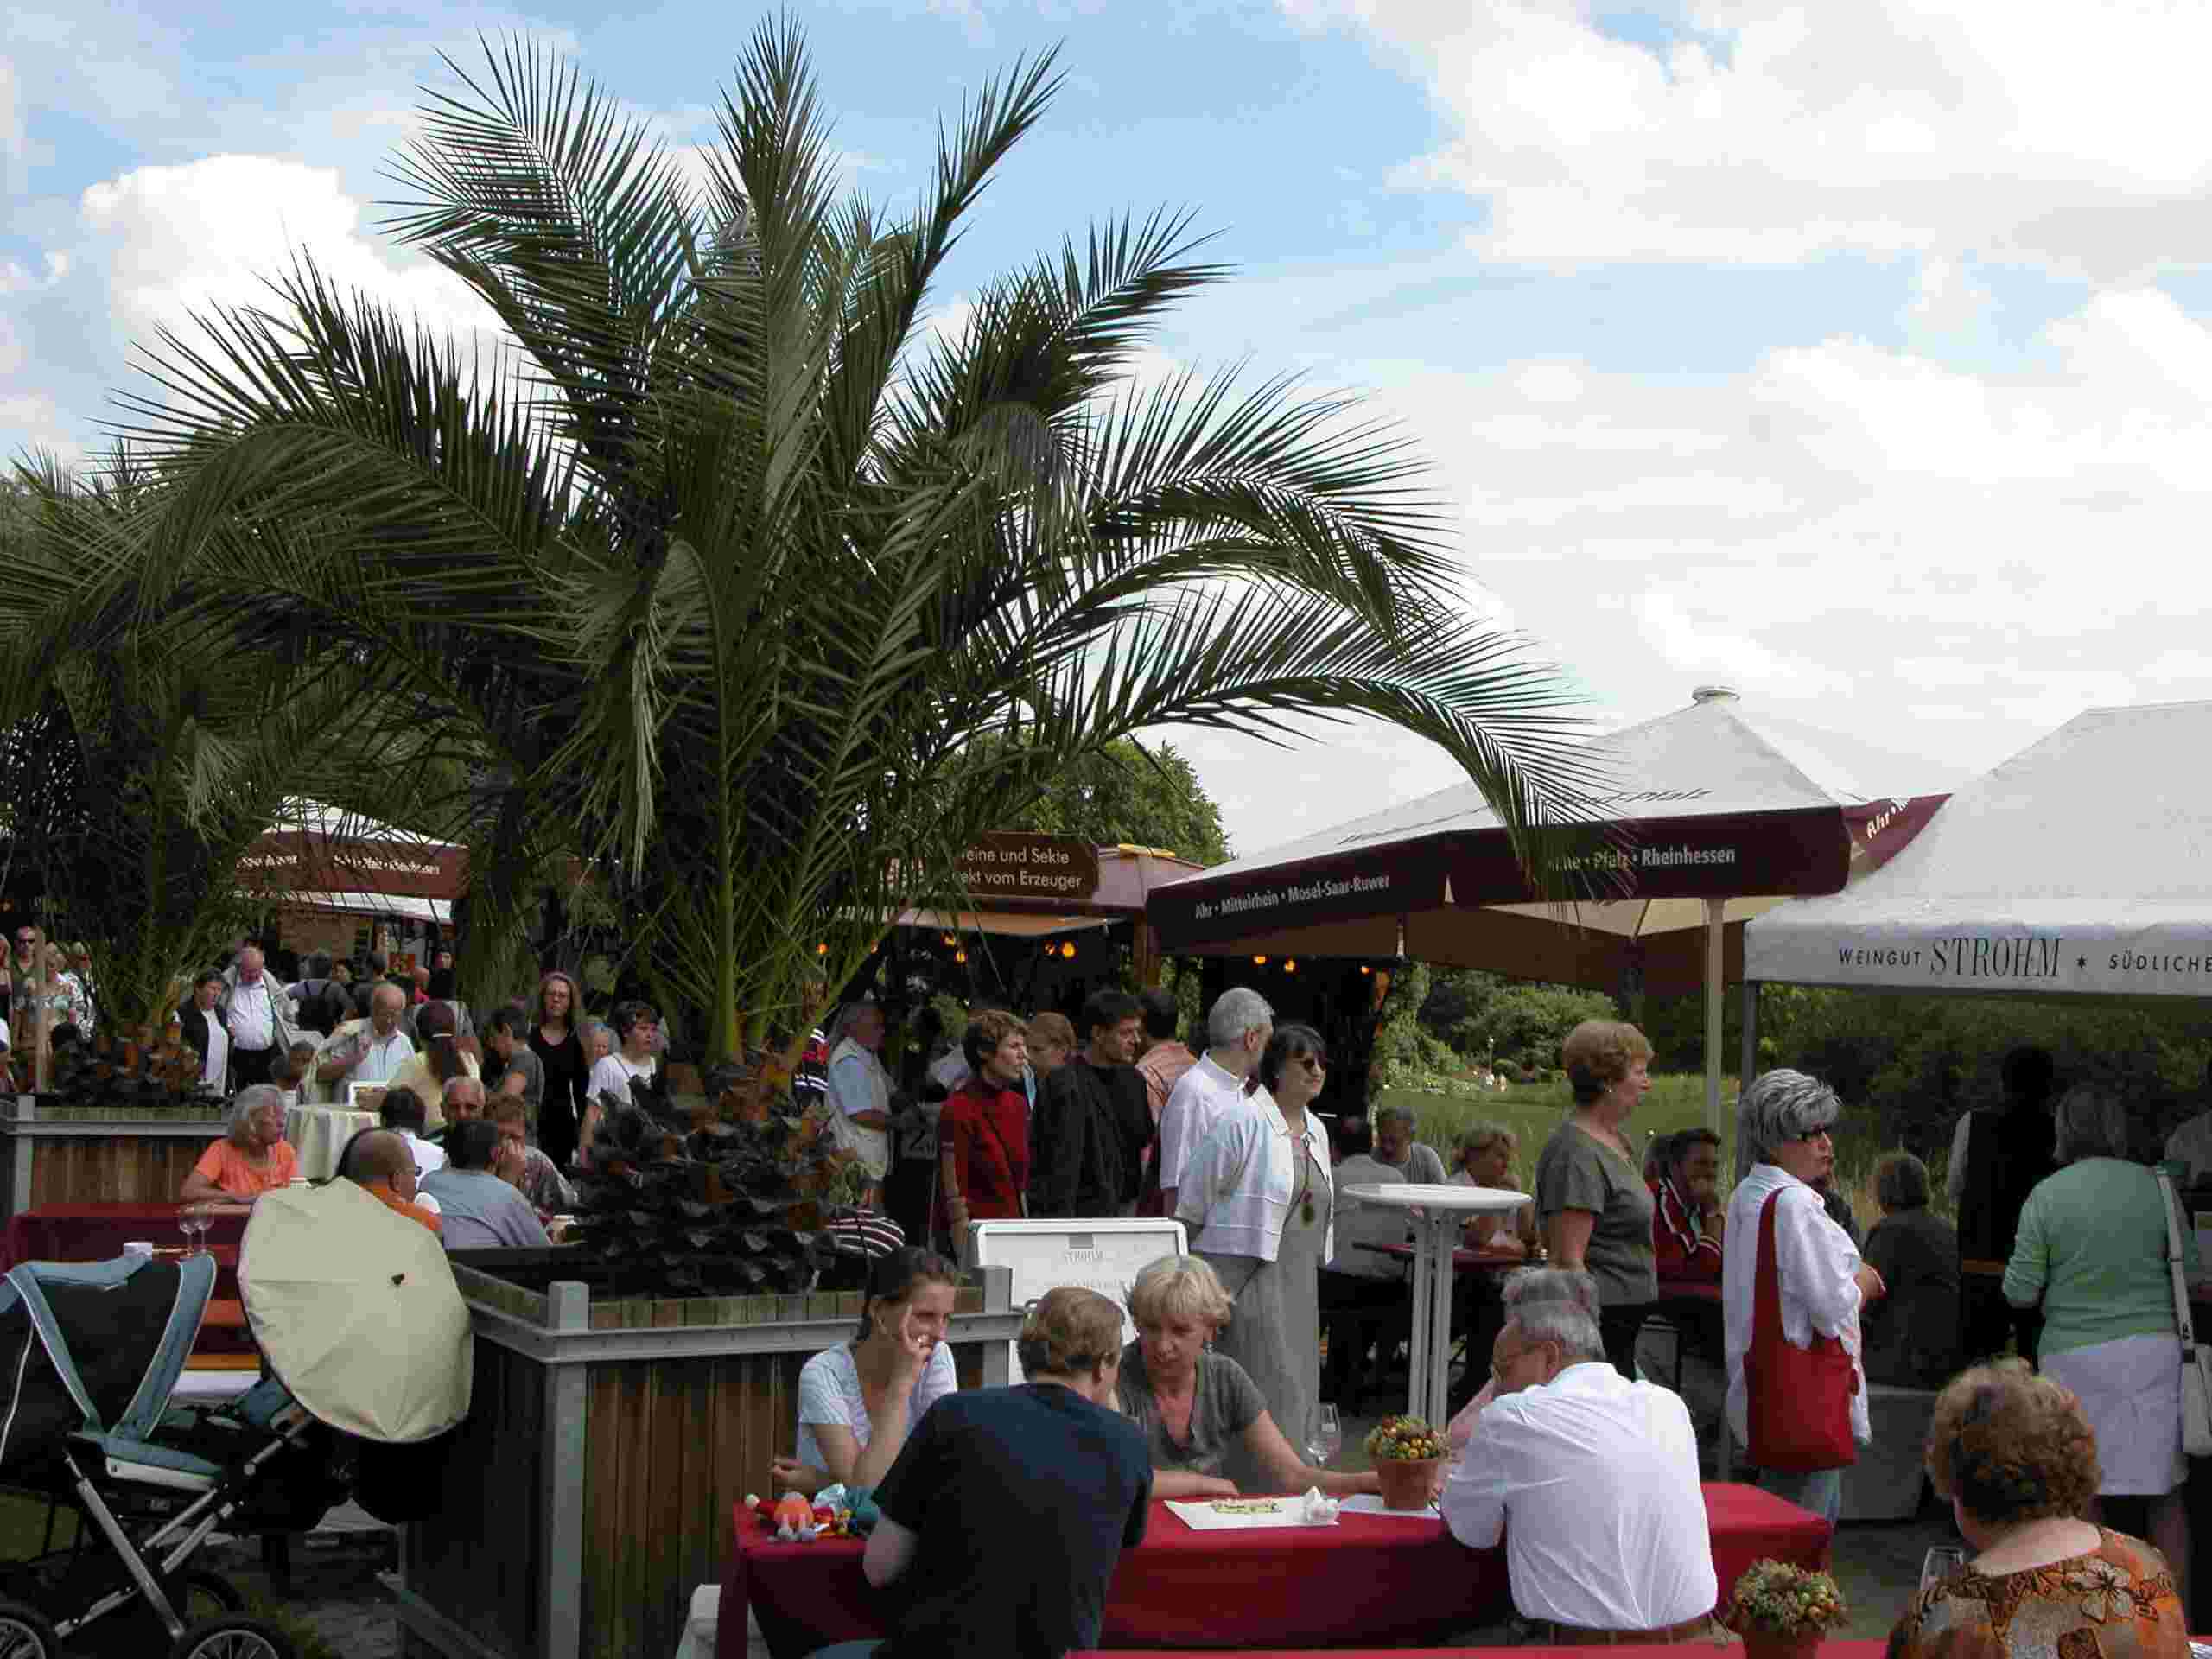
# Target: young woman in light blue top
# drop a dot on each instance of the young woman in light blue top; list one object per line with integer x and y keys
{"x": 858, "y": 1402}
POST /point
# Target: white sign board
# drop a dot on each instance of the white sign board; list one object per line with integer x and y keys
{"x": 1103, "y": 1255}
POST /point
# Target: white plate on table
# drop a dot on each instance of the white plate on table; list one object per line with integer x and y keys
{"x": 1209, "y": 1515}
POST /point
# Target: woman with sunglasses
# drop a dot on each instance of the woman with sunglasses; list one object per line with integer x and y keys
{"x": 1783, "y": 1119}
{"x": 1257, "y": 1198}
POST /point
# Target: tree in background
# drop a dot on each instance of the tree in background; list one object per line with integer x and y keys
{"x": 1143, "y": 795}
{"x": 1524, "y": 1024}
{"x": 1456, "y": 996}
{"x": 138, "y": 761}
{"x": 715, "y": 581}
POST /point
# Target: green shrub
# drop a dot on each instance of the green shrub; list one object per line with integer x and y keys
{"x": 1524, "y": 1024}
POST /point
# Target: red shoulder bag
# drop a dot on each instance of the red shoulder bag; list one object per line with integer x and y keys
{"x": 1796, "y": 1400}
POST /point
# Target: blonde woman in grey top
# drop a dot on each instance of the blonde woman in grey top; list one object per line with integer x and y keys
{"x": 1592, "y": 1203}
{"x": 1201, "y": 1413}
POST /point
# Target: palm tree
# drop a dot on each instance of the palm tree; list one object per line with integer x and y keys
{"x": 717, "y": 574}
{"x": 139, "y": 760}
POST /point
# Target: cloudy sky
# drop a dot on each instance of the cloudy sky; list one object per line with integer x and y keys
{"x": 1857, "y": 354}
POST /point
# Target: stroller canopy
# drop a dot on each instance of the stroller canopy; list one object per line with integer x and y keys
{"x": 94, "y": 1346}
{"x": 355, "y": 1308}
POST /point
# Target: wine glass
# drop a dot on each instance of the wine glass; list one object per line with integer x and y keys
{"x": 186, "y": 1220}
{"x": 1325, "y": 1437}
{"x": 1940, "y": 1563}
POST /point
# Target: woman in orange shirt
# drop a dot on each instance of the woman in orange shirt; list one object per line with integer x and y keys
{"x": 253, "y": 1158}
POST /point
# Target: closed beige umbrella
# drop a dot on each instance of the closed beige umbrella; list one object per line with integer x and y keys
{"x": 355, "y": 1308}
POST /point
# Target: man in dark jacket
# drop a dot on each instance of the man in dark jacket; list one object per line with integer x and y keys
{"x": 1092, "y": 1123}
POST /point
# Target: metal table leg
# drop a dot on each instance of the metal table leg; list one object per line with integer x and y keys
{"x": 1423, "y": 1337}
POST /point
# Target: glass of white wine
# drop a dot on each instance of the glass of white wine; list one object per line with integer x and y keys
{"x": 1324, "y": 1438}
{"x": 1940, "y": 1563}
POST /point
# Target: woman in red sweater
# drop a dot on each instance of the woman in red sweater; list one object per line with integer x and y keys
{"x": 983, "y": 1136}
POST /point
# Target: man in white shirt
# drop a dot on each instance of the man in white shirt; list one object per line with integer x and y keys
{"x": 1608, "y": 1534}
{"x": 402, "y": 1112}
{"x": 257, "y": 1014}
{"x": 1237, "y": 1029}
{"x": 373, "y": 1055}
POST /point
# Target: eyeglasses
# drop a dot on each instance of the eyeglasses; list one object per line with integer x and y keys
{"x": 1817, "y": 1134}
{"x": 1313, "y": 1062}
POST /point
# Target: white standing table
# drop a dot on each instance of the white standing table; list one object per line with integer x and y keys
{"x": 1442, "y": 1209}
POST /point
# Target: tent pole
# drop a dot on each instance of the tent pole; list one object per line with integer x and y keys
{"x": 1750, "y": 1064}
{"x": 1716, "y": 926}
{"x": 1750, "y": 1060}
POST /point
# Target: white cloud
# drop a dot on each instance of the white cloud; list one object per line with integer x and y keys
{"x": 1775, "y": 131}
{"x": 39, "y": 427}
{"x": 173, "y": 240}
{"x": 1940, "y": 563}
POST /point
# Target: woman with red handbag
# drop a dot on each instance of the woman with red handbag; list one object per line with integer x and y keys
{"x": 1792, "y": 1284}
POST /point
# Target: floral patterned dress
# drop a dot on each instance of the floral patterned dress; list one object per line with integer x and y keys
{"x": 2116, "y": 1602}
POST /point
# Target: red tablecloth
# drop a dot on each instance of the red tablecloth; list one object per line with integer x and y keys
{"x": 1373, "y": 1579}
{"x": 1835, "y": 1649}
{"x": 98, "y": 1232}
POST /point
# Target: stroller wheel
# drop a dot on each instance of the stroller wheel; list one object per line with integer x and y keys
{"x": 25, "y": 1634}
{"x": 232, "y": 1637}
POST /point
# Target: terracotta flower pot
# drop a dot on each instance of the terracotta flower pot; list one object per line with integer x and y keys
{"x": 1406, "y": 1481}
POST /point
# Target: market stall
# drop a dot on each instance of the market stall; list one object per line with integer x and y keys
{"x": 2074, "y": 869}
{"x": 1717, "y": 814}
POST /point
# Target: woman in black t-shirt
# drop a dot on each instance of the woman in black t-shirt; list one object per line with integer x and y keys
{"x": 553, "y": 1038}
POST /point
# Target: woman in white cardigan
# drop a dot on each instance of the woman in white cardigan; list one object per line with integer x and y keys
{"x": 1258, "y": 1200}
{"x": 1784, "y": 1120}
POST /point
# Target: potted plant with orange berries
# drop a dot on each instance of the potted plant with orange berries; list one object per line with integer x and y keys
{"x": 1782, "y": 1611}
{"x": 1408, "y": 1454}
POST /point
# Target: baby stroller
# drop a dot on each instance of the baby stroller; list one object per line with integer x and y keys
{"x": 365, "y": 1346}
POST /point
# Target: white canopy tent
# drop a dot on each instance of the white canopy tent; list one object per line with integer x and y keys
{"x": 2077, "y": 867}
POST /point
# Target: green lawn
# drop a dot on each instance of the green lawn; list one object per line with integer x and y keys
{"x": 1532, "y": 1111}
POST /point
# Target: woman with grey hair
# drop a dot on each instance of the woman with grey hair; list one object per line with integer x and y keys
{"x": 252, "y": 1159}
{"x": 2092, "y": 1248}
{"x": 1911, "y": 1334}
{"x": 1785, "y": 1117}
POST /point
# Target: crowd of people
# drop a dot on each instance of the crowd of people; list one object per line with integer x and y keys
{"x": 1576, "y": 1450}
{"x": 1592, "y": 1402}
{"x": 481, "y": 1124}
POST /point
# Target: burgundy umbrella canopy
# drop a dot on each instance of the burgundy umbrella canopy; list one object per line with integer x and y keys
{"x": 1717, "y": 814}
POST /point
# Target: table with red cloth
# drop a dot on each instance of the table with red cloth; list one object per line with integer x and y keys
{"x": 98, "y": 1232}
{"x": 1837, "y": 1647}
{"x": 1370, "y": 1578}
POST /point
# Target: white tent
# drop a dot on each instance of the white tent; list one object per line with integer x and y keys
{"x": 2077, "y": 867}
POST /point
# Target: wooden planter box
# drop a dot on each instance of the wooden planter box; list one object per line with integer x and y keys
{"x": 589, "y": 1492}
{"x": 99, "y": 1154}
